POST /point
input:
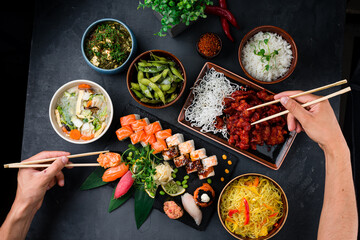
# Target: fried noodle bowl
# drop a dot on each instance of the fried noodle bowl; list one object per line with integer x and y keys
{"x": 264, "y": 202}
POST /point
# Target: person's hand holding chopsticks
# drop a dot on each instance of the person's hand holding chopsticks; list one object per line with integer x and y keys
{"x": 34, "y": 182}
{"x": 320, "y": 124}
{"x": 32, "y": 186}
{"x": 318, "y": 120}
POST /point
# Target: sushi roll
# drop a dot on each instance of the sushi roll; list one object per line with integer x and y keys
{"x": 175, "y": 140}
{"x": 204, "y": 195}
{"x": 163, "y": 134}
{"x": 206, "y": 173}
{"x": 209, "y": 161}
{"x": 193, "y": 166}
{"x": 186, "y": 147}
{"x": 124, "y": 132}
{"x": 182, "y": 160}
{"x": 129, "y": 119}
{"x": 158, "y": 146}
{"x": 170, "y": 153}
{"x": 153, "y": 128}
{"x": 138, "y": 125}
{"x": 191, "y": 208}
{"x": 148, "y": 140}
{"x": 198, "y": 154}
{"x": 137, "y": 137}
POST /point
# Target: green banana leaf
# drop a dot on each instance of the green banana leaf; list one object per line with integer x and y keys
{"x": 143, "y": 206}
{"x": 94, "y": 180}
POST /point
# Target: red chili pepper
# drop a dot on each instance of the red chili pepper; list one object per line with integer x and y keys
{"x": 232, "y": 211}
{"x": 247, "y": 212}
{"x": 224, "y": 22}
{"x": 221, "y": 12}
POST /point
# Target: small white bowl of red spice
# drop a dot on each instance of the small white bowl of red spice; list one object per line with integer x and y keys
{"x": 209, "y": 45}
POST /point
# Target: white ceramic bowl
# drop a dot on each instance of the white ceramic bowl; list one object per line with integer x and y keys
{"x": 59, "y": 93}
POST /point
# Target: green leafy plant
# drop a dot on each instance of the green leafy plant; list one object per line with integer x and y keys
{"x": 176, "y": 11}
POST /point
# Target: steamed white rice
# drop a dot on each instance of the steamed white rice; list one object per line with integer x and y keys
{"x": 256, "y": 66}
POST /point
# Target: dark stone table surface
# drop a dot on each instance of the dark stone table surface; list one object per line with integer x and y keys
{"x": 67, "y": 213}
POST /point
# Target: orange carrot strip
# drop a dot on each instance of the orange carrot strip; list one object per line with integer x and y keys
{"x": 75, "y": 134}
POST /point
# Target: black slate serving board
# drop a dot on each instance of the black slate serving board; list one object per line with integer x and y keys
{"x": 193, "y": 182}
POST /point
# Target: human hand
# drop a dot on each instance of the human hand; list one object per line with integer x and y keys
{"x": 33, "y": 183}
{"x": 318, "y": 120}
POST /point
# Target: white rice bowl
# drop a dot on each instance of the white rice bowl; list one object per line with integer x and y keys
{"x": 256, "y": 66}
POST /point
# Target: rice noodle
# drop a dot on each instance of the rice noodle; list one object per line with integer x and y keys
{"x": 208, "y": 101}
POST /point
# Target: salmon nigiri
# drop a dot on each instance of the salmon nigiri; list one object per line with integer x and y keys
{"x": 109, "y": 159}
{"x": 113, "y": 173}
{"x": 158, "y": 146}
{"x": 137, "y": 136}
{"x": 138, "y": 125}
{"x": 129, "y": 119}
{"x": 124, "y": 132}
{"x": 153, "y": 128}
{"x": 163, "y": 134}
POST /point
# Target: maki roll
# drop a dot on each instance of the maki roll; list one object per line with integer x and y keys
{"x": 186, "y": 147}
{"x": 182, "y": 160}
{"x": 209, "y": 161}
{"x": 175, "y": 140}
{"x": 170, "y": 153}
{"x": 198, "y": 154}
{"x": 204, "y": 195}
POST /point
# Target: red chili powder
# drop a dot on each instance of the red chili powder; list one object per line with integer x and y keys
{"x": 209, "y": 44}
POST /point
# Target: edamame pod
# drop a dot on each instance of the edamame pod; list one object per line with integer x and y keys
{"x": 137, "y": 93}
{"x": 165, "y": 87}
{"x": 154, "y": 87}
{"x": 172, "y": 98}
{"x": 144, "y": 89}
{"x": 156, "y": 78}
{"x": 152, "y": 101}
{"x": 176, "y": 72}
{"x": 135, "y": 86}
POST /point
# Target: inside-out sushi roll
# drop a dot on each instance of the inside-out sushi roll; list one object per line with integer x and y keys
{"x": 148, "y": 140}
{"x": 137, "y": 136}
{"x": 153, "y": 128}
{"x": 129, "y": 119}
{"x": 209, "y": 161}
{"x": 140, "y": 124}
{"x": 206, "y": 172}
{"x": 198, "y": 154}
{"x": 163, "y": 134}
{"x": 158, "y": 146}
{"x": 193, "y": 166}
{"x": 181, "y": 160}
{"x": 175, "y": 140}
{"x": 170, "y": 153}
{"x": 124, "y": 132}
{"x": 186, "y": 147}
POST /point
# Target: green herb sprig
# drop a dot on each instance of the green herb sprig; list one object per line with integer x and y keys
{"x": 176, "y": 11}
{"x": 142, "y": 163}
{"x": 266, "y": 57}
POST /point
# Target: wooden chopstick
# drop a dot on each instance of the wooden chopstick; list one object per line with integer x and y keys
{"x": 53, "y": 159}
{"x": 47, "y": 165}
{"x": 301, "y": 94}
{"x": 342, "y": 91}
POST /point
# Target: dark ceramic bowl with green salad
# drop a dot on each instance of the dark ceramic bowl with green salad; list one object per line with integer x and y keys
{"x": 156, "y": 79}
{"x": 108, "y": 45}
